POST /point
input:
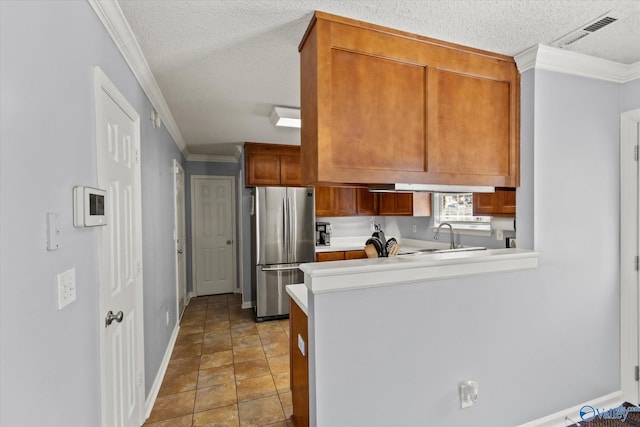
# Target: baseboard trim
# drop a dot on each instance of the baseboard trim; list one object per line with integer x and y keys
{"x": 247, "y": 304}
{"x": 155, "y": 389}
{"x": 559, "y": 419}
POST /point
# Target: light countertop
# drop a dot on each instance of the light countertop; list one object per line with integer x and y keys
{"x": 300, "y": 295}
{"x": 356, "y": 243}
{"x": 336, "y": 276}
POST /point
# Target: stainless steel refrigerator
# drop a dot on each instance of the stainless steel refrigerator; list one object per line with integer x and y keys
{"x": 283, "y": 237}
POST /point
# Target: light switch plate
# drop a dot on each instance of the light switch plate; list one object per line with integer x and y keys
{"x": 302, "y": 346}
{"x": 53, "y": 231}
{"x": 66, "y": 288}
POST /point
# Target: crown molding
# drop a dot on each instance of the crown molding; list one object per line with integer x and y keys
{"x": 544, "y": 57}
{"x": 113, "y": 19}
{"x": 211, "y": 158}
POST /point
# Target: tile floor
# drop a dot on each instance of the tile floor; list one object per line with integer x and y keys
{"x": 225, "y": 370}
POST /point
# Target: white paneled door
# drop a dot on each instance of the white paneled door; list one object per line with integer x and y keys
{"x": 181, "y": 238}
{"x": 213, "y": 230}
{"x": 120, "y": 258}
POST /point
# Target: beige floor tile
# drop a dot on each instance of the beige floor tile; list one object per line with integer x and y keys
{"x": 185, "y": 364}
{"x": 172, "y": 406}
{"x": 248, "y": 353}
{"x": 271, "y": 337}
{"x": 215, "y": 396}
{"x": 287, "y": 404}
{"x": 227, "y": 416}
{"x": 186, "y": 350}
{"x": 217, "y": 316}
{"x": 254, "y": 388}
{"x": 279, "y": 348}
{"x": 251, "y": 369}
{"x": 189, "y": 339}
{"x": 278, "y": 424}
{"x": 178, "y": 381}
{"x": 243, "y": 330}
{"x": 216, "y": 359}
{"x": 242, "y": 322}
{"x": 192, "y": 329}
{"x": 246, "y": 341}
{"x": 218, "y": 375}
{"x": 215, "y": 347}
{"x": 260, "y": 412}
{"x": 268, "y": 327}
{"x": 282, "y": 381}
{"x": 279, "y": 364}
{"x": 184, "y": 421}
{"x": 216, "y": 325}
{"x": 216, "y": 336}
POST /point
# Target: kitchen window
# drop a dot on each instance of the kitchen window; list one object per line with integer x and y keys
{"x": 457, "y": 210}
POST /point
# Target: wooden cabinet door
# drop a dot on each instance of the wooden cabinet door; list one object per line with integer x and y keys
{"x": 500, "y": 203}
{"x": 471, "y": 127}
{"x": 355, "y": 254}
{"x": 329, "y": 256}
{"x": 335, "y": 201}
{"x": 290, "y": 170}
{"x": 263, "y": 169}
{"x": 366, "y": 202}
{"x": 299, "y": 365}
{"x": 405, "y": 204}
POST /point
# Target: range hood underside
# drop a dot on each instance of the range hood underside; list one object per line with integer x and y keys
{"x": 430, "y": 188}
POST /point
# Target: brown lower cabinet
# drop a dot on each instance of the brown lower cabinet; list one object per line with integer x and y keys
{"x": 298, "y": 324}
{"x": 340, "y": 255}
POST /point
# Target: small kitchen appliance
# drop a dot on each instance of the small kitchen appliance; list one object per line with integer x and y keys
{"x": 323, "y": 234}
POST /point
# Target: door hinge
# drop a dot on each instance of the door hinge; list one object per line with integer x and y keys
{"x": 637, "y": 373}
{"x": 636, "y": 153}
{"x": 137, "y": 154}
{"x": 637, "y": 263}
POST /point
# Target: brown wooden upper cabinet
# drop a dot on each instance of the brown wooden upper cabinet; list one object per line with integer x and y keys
{"x": 500, "y": 203}
{"x": 385, "y": 106}
{"x": 272, "y": 165}
{"x": 335, "y": 201}
{"x": 412, "y": 204}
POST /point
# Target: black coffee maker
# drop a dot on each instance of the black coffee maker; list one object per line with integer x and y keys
{"x": 323, "y": 234}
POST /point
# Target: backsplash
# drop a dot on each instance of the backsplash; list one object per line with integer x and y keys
{"x": 401, "y": 226}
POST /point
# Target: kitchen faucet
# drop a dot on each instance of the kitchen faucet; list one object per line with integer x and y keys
{"x": 435, "y": 237}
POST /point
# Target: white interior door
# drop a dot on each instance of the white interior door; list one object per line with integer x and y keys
{"x": 120, "y": 258}
{"x": 181, "y": 238}
{"x": 213, "y": 231}
{"x": 629, "y": 251}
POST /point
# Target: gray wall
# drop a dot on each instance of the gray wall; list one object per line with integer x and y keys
{"x": 203, "y": 168}
{"x": 49, "y": 359}
{"x": 537, "y": 341}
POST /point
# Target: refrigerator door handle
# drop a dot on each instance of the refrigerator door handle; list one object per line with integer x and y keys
{"x": 284, "y": 228}
{"x": 293, "y": 267}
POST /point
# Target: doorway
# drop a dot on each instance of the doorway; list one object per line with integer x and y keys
{"x": 120, "y": 257}
{"x": 180, "y": 236}
{"x": 629, "y": 251}
{"x": 213, "y": 233}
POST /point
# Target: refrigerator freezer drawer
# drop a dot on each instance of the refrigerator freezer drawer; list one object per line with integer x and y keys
{"x": 272, "y": 299}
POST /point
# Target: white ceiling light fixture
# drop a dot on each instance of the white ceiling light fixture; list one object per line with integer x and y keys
{"x": 286, "y": 117}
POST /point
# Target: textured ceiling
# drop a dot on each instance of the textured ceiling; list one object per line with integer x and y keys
{"x": 223, "y": 64}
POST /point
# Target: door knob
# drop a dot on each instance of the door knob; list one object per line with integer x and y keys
{"x": 228, "y": 242}
{"x": 111, "y": 317}
{"x": 180, "y": 251}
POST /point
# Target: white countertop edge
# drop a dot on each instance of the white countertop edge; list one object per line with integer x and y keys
{"x": 339, "y": 276}
{"x": 300, "y": 296}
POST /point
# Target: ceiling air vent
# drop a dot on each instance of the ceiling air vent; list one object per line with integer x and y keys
{"x": 590, "y": 28}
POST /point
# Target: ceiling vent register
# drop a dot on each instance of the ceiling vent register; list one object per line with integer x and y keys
{"x": 588, "y": 29}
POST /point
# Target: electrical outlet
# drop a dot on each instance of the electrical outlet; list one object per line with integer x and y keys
{"x": 167, "y": 317}
{"x": 499, "y": 234}
{"x": 66, "y": 288}
{"x": 415, "y": 228}
{"x": 468, "y": 393}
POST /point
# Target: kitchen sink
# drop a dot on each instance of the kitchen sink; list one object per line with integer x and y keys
{"x": 441, "y": 251}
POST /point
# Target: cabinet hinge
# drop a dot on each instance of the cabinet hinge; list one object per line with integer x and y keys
{"x": 637, "y": 373}
{"x": 637, "y": 263}
{"x": 636, "y": 153}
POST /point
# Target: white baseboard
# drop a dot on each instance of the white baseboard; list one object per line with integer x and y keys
{"x": 247, "y": 304}
{"x": 571, "y": 415}
{"x": 189, "y": 296}
{"x": 155, "y": 389}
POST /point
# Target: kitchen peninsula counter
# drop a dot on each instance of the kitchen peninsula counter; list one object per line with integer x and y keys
{"x": 361, "y": 317}
{"x": 365, "y": 273}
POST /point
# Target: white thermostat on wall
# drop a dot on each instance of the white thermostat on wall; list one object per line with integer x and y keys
{"x": 89, "y": 206}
